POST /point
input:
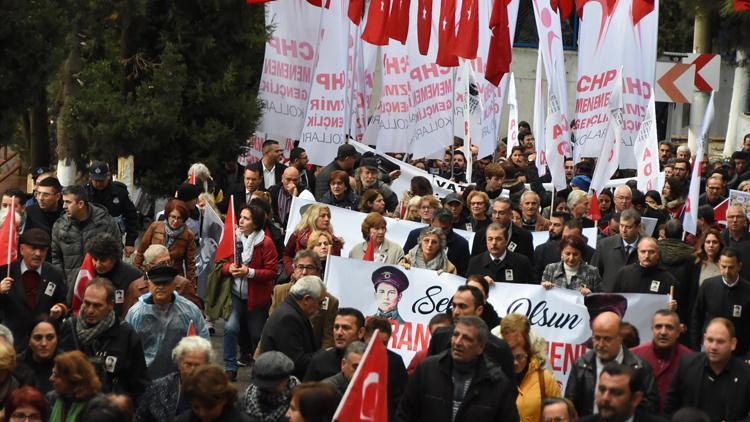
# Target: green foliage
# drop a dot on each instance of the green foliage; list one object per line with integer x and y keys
{"x": 187, "y": 92}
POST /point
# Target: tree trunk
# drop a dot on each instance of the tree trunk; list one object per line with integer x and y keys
{"x": 67, "y": 147}
{"x": 39, "y": 133}
{"x": 701, "y": 44}
{"x": 738, "y": 122}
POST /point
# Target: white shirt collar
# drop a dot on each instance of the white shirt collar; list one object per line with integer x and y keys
{"x": 24, "y": 268}
{"x": 732, "y": 284}
{"x": 501, "y": 257}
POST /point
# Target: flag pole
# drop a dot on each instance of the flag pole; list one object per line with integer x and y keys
{"x": 12, "y": 227}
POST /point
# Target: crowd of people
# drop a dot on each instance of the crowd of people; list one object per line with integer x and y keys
{"x": 133, "y": 343}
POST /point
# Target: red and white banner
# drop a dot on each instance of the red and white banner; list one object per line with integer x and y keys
{"x": 9, "y": 237}
{"x": 613, "y": 35}
{"x": 512, "y": 116}
{"x": 288, "y": 67}
{"x": 558, "y": 315}
{"x": 360, "y": 76}
{"x": 647, "y": 151}
{"x": 690, "y": 220}
{"x": 611, "y": 150}
{"x": 324, "y": 129}
{"x": 539, "y": 118}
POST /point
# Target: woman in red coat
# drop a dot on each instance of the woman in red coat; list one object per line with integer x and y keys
{"x": 252, "y": 278}
{"x": 317, "y": 217}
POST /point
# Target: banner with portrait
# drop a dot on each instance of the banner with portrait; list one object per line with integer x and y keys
{"x": 414, "y": 296}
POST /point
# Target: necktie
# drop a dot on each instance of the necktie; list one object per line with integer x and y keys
{"x": 497, "y": 261}
{"x": 628, "y": 249}
{"x": 31, "y": 281}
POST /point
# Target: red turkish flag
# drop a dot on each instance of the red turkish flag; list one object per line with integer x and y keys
{"x": 376, "y": 30}
{"x": 579, "y": 7}
{"x": 467, "y": 38}
{"x": 499, "y": 55}
{"x": 225, "y": 249}
{"x": 446, "y": 33}
{"x": 319, "y": 3}
{"x": 741, "y": 5}
{"x": 566, "y": 6}
{"x": 366, "y": 398}
{"x": 424, "y": 25}
{"x": 641, "y": 8}
{"x": 595, "y": 213}
{"x": 355, "y": 10}
{"x": 398, "y": 21}
{"x": 720, "y": 212}
{"x": 86, "y": 273}
{"x": 9, "y": 236}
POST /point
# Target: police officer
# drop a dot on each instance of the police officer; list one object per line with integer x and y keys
{"x": 113, "y": 195}
{"x": 389, "y": 283}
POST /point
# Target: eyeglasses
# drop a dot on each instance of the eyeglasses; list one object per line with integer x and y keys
{"x": 18, "y": 417}
{"x": 521, "y": 357}
{"x": 305, "y": 267}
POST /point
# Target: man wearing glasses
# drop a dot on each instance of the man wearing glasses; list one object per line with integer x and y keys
{"x": 307, "y": 263}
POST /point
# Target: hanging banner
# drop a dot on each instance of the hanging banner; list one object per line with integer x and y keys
{"x": 325, "y": 125}
{"x": 611, "y": 150}
{"x": 690, "y": 219}
{"x": 512, "y": 116}
{"x": 647, "y": 151}
{"x": 288, "y": 67}
{"x": 360, "y": 77}
{"x": 346, "y": 225}
{"x": 558, "y": 315}
{"x": 539, "y": 120}
{"x": 613, "y": 35}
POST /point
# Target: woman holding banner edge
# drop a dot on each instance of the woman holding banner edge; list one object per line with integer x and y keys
{"x": 429, "y": 252}
{"x": 571, "y": 272}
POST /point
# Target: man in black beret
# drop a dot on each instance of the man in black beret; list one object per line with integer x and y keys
{"x": 34, "y": 287}
{"x": 389, "y": 283}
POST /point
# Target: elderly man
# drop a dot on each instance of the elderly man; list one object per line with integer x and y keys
{"x": 80, "y": 223}
{"x": 106, "y": 255}
{"x": 33, "y": 287}
{"x": 349, "y": 327}
{"x": 307, "y": 263}
{"x": 270, "y": 392}
{"x": 368, "y": 178}
{"x": 460, "y": 384}
{"x": 269, "y": 166}
{"x": 349, "y": 362}
{"x": 714, "y": 381}
{"x": 114, "y": 196}
{"x": 727, "y": 296}
{"x": 646, "y": 276}
{"x": 578, "y": 204}
{"x": 48, "y": 206}
{"x": 282, "y": 195}
{"x": 288, "y": 329}
{"x": 498, "y": 262}
{"x": 113, "y": 346}
{"x": 663, "y": 352}
{"x": 162, "y": 318}
{"x": 530, "y": 216}
{"x": 153, "y": 256}
{"x": 584, "y": 376}
{"x": 623, "y": 199}
{"x": 736, "y": 232}
{"x": 163, "y": 400}
{"x": 617, "y": 251}
{"x": 519, "y": 240}
{"x": 714, "y": 191}
{"x": 618, "y": 395}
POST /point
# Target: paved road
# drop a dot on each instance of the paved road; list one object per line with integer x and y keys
{"x": 217, "y": 341}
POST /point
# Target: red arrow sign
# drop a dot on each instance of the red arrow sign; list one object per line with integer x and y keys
{"x": 700, "y": 61}
{"x": 666, "y": 82}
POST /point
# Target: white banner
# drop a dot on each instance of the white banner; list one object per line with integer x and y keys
{"x": 361, "y": 65}
{"x": 512, "y": 116}
{"x": 558, "y": 315}
{"x": 609, "y": 38}
{"x": 647, "y": 151}
{"x": 690, "y": 219}
{"x": 346, "y": 225}
{"x": 539, "y": 119}
{"x": 609, "y": 156}
{"x": 326, "y": 120}
{"x": 288, "y": 67}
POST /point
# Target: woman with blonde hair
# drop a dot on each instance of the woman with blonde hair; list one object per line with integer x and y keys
{"x": 534, "y": 382}
{"x": 412, "y": 209}
{"x": 8, "y": 380}
{"x": 316, "y": 217}
{"x": 321, "y": 243}
{"x": 76, "y": 384}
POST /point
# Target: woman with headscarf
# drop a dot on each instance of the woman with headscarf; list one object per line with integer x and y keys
{"x": 429, "y": 252}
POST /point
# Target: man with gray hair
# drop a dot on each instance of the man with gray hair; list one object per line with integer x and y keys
{"x": 288, "y": 329}
{"x": 349, "y": 363}
{"x": 461, "y": 381}
{"x": 616, "y": 251}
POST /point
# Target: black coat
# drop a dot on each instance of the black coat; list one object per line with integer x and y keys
{"x": 397, "y": 380}
{"x": 288, "y": 330}
{"x": 121, "y": 352}
{"x": 231, "y": 412}
{"x": 324, "y": 364}
{"x": 582, "y": 382}
{"x": 116, "y": 199}
{"x": 121, "y": 276}
{"x": 15, "y": 312}
{"x": 635, "y": 279}
{"x": 640, "y": 416}
{"x": 496, "y": 349}
{"x": 515, "y": 268}
{"x": 429, "y": 394}
{"x": 685, "y": 390}
{"x": 716, "y": 299}
{"x": 458, "y": 248}
{"x": 609, "y": 258}
{"x": 40, "y": 219}
{"x": 520, "y": 241}
{"x": 278, "y": 170}
{"x": 33, "y": 373}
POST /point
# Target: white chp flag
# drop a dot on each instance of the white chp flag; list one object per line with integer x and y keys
{"x": 690, "y": 220}
{"x": 541, "y": 154}
{"x": 473, "y": 111}
{"x": 609, "y": 157}
{"x": 512, "y": 116}
{"x": 646, "y": 150}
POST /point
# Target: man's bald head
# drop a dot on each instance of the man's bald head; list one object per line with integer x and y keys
{"x": 290, "y": 179}
{"x": 606, "y": 336}
{"x": 648, "y": 252}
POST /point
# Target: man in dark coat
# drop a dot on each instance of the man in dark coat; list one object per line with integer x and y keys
{"x": 615, "y": 252}
{"x": 618, "y": 396}
{"x": 648, "y": 275}
{"x": 458, "y": 247}
{"x": 727, "y": 296}
{"x": 519, "y": 240}
{"x": 583, "y": 382}
{"x": 678, "y": 258}
{"x": 460, "y": 384}
{"x": 34, "y": 287}
{"x": 269, "y": 166}
{"x": 498, "y": 262}
{"x": 346, "y": 157}
{"x": 288, "y": 329}
{"x": 112, "y": 345}
{"x": 348, "y": 327}
{"x": 713, "y": 381}
{"x": 48, "y": 206}
{"x": 549, "y": 251}
{"x": 106, "y": 255}
{"x": 397, "y": 376}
